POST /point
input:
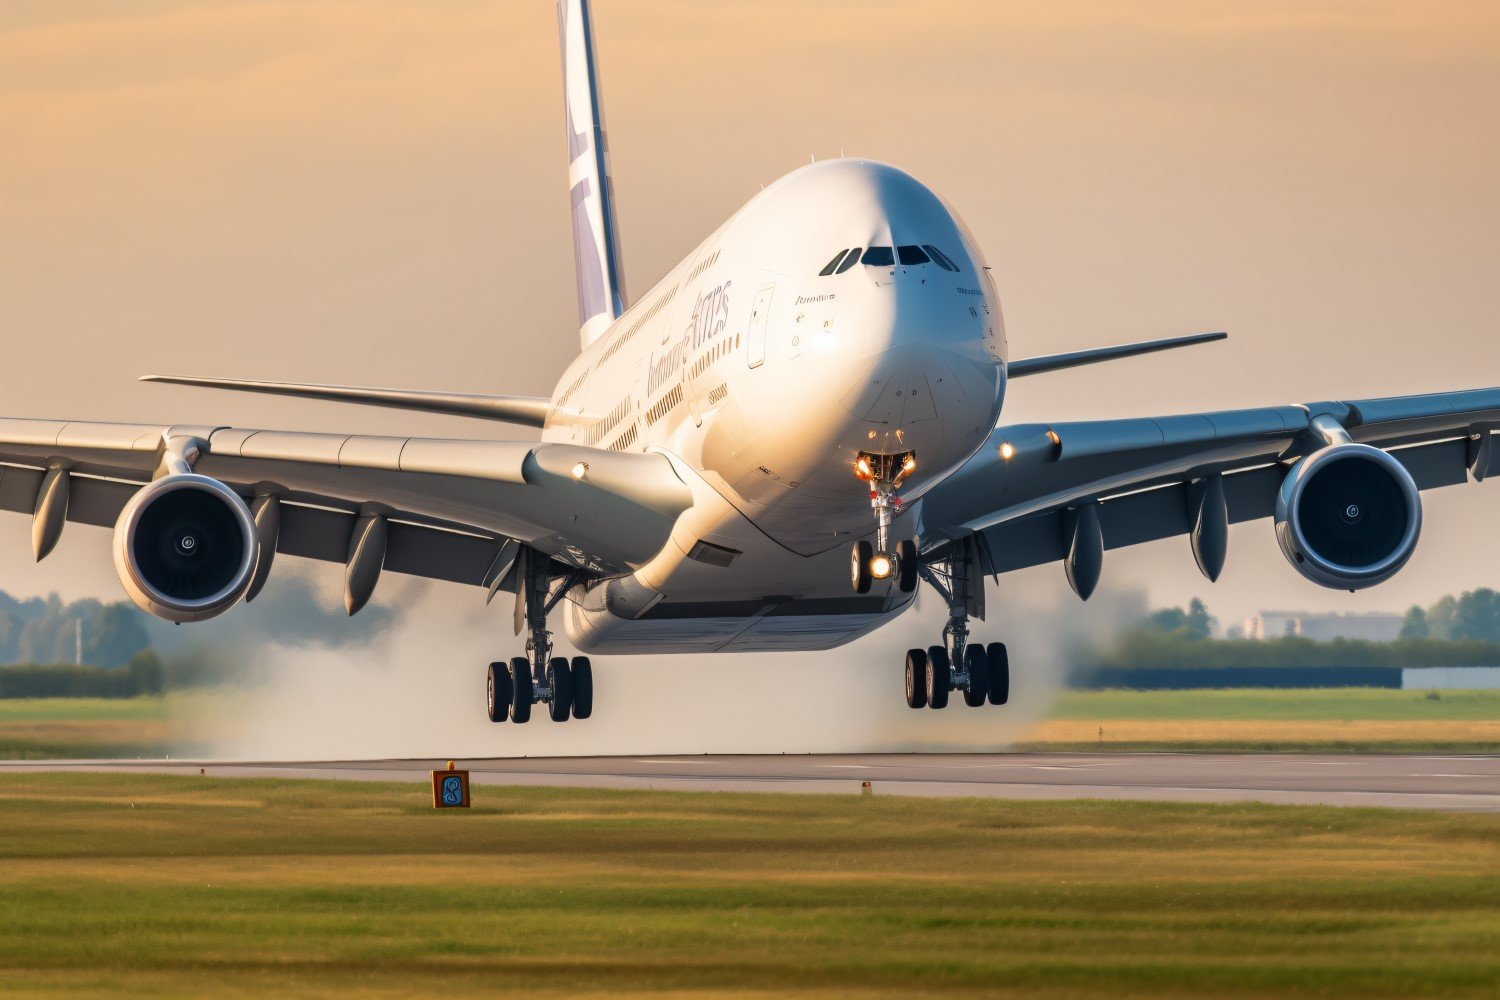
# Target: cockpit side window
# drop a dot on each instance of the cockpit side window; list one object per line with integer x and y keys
{"x": 910, "y": 255}
{"x": 941, "y": 259}
{"x": 834, "y": 263}
{"x": 879, "y": 257}
{"x": 849, "y": 261}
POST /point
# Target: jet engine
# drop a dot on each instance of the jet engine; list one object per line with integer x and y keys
{"x": 1348, "y": 516}
{"x": 185, "y": 548}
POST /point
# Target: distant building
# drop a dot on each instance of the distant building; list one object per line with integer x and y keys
{"x": 1374, "y": 626}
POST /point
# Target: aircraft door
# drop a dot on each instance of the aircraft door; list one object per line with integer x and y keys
{"x": 760, "y": 314}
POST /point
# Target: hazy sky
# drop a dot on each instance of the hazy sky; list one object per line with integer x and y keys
{"x": 375, "y": 192}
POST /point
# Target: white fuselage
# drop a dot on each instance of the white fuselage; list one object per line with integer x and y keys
{"x": 762, "y": 380}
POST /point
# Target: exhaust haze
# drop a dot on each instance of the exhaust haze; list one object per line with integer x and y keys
{"x": 416, "y": 689}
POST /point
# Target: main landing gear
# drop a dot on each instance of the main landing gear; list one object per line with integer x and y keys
{"x": 980, "y": 672}
{"x": 565, "y": 686}
{"x": 881, "y": 561}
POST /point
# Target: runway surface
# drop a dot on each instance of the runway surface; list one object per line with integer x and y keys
{"x": 1432, "y": 782}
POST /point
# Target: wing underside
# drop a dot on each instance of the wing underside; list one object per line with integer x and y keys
{"x": 1141, "y": 473}
{"x": 451, "y": 505}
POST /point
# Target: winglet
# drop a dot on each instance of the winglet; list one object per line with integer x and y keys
{"x": 1057, "y": 362}
{"x": 525, "y": 410}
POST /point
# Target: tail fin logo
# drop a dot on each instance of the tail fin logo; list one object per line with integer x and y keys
{"x": 601, "y": 294}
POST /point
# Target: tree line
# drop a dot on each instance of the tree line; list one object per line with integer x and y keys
{"x": 46, "y": 630}
{"x": 1462, "y": 631}
{"x": 1473, "y": 615}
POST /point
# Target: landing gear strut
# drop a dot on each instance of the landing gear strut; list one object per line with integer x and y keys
{"x": 882, "y": 561}
{"x": 981, "y": 672}
{"x": 565, "y": 687}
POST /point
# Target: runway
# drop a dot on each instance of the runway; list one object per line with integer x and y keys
{"x": 1429, "y": 782}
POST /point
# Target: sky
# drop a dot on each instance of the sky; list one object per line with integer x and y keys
{"x": 374, "y": 192}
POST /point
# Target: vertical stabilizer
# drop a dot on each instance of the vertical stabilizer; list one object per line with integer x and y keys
{"x": 596, "y": 248}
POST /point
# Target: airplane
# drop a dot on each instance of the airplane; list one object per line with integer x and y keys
{"x": 771, "y": 449}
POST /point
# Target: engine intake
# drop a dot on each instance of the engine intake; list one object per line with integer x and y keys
{"x": 1348, "y": 516}
{"x": 185, "y": 548}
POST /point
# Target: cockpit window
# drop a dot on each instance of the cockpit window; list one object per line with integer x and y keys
{"x": 912, "y": 255}
{"x": 833, "y": 263}
{"x": 941, "y": 259}
{"x": 879, "y": 257}
{"x": 849, "y": 261}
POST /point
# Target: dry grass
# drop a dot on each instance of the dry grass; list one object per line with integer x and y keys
{"x": 1386, "y": 732}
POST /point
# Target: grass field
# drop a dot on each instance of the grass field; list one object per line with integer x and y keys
{"x": 1348, "y": 719}
{"x": 41, "y": 728}
{"x": 167, "y": 885}
{"x": 1345, "y": 719}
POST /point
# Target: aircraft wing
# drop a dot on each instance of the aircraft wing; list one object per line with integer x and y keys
{"x": 1142, "y": 472}
{"x": 450, "y": 505}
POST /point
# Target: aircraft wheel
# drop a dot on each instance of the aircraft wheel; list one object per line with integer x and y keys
{"x": 583, "y": 687}
{"x": 916, "y": 679}
{"x": 560, "y": 680}
{"x": 521, "y": 689}
{"x": 859, "y": 566}
{"x": 939, "y": 677}
{"x": 497, "y": 692}
{"x": 978, "y": 666}
{"x": 906, "y": 561}
{"x": 999, "y": 659}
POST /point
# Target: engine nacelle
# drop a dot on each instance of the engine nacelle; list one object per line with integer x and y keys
{"x": 185, "y": 548}
{"x": 1348, "y": 516}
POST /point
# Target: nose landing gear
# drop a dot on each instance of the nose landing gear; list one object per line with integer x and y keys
{"x": 881, "y": 561}
{"x": 565, "y": 687}
{"x": 981, "y": 672}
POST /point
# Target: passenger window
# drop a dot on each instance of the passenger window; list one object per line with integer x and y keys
{"x": 849, "y": 261}
{"x": 940, "y": 258}
{"x": 912, "y": 255}
{"x": 879, "y": 257}
{"x": 833, "y": 263}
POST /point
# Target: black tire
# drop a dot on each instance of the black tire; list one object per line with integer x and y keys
{"x": 978, "y": 666}
{"x": 999, "y": 673}
{"x": 916, "y": 678}
{"x": 939, "y": 677}
{"x": 906, "y": 562}
{"x": 520, "y": 689}
{"x": 497, "y": 692}
{"x": 583, "y": 687}
{"x": 560, "y": 680}
{"x": 859, "y": 566}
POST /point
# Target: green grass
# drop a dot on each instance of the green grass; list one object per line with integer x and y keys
{"x": 169, "y": 885}
{"x": 1279, "y": 705}
{"x": 1341, "y": 720}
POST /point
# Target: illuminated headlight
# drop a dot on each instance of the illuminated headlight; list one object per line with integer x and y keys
{"x": 1007, "y": 451}
{"x": 580, "y": 470}
{"x": 882, "y": 566}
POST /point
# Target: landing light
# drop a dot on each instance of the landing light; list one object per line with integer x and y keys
{"x": 882, "y": 566}
{"x": 1007, "y": 451}
{"x": 580, "y": 470}
{"x": 862, "y": 468}
{"x": 909, "y": 465}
